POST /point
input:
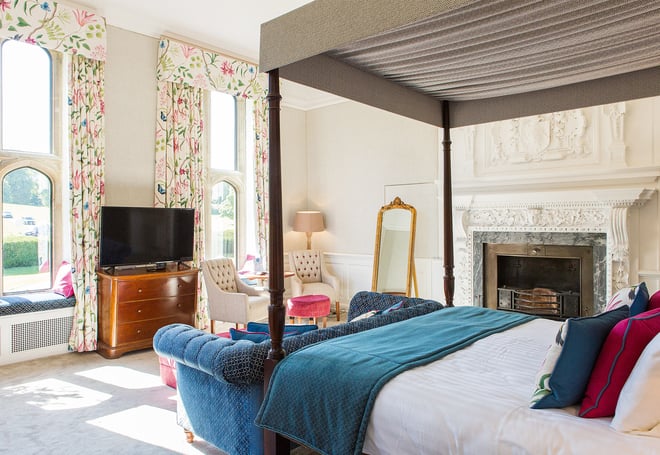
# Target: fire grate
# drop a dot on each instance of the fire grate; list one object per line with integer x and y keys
{"x": 540, "y": 301}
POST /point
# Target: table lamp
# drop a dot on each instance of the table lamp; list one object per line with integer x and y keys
{"x": 308, "y": 221}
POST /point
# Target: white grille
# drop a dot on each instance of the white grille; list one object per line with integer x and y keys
{"x": 39, "y": 334}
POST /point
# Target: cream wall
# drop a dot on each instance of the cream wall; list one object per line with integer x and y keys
{"x": 130, "y": 107}
{"x": 353, "y": 152}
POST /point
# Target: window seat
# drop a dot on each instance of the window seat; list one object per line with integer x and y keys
{"x": 32, "y": 302}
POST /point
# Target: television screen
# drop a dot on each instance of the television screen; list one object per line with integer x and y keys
{"x": 145, "y": 235}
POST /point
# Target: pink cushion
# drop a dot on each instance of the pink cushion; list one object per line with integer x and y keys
{"x": 616, "y": 360}
{"x": 63, "y": 284}
{"x": 308, "y": 306}
{"x": 654, "y": 301}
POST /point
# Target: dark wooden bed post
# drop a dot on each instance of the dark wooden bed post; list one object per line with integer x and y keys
{"x": 275, "y": 240}
{"x": 447, "y": 208}
{"x": 273, "y": 443}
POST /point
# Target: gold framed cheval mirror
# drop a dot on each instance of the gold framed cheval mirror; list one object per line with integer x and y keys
{"x": 394, "y": 255}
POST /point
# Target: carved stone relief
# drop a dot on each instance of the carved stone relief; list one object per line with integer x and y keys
{"x": 547, "y": 137}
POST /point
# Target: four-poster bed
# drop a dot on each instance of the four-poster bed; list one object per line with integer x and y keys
{"x": 453, "y": 63}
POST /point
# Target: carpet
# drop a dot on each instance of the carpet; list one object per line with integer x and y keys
{"x": 84, "y": 403}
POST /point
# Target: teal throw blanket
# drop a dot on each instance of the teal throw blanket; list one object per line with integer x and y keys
{"x": 322, "y": 395}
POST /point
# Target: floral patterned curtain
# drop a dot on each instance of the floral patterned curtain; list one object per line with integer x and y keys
{"x": 183, "y": 72}
{"x": 261, "y": 174}
{"x": 87, "y": 158}
{"x": 180, "y": 170}
{"x": 82, "y": 35}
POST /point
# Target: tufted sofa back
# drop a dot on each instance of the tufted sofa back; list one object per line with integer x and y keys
{"x": 223, "y": 273}
{"x": 242, "y": 362}
{"x": 307, "y": 265}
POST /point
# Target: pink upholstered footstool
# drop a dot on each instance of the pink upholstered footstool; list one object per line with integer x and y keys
{"x": 167, "y": 371}
{"x": 309, "y": 306}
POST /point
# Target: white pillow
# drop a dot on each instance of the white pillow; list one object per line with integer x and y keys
{"x": 366, "y": 315}
{"x": 638, "y": 407}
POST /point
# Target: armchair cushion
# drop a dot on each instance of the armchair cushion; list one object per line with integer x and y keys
{"x": 307, "y": 265}
{"x": 222, "y": 273}
{"x": 229, "y": 298}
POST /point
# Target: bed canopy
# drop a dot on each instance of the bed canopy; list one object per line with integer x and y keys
{"x": 455, "y": 63}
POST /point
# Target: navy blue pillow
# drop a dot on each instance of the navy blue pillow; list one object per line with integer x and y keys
{"x": 584, "y": 338}
{"x": 250, "y": 335}
{"x": 641, "y": 300}
{"x": 263, "y": 327}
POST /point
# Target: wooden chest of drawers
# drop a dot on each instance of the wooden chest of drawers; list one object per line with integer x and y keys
{"x": 133, "y": 305}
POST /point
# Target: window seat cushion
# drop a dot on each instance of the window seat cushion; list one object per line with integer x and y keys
{"x": 34, "y": 301}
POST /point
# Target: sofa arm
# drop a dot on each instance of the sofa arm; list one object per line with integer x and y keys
{"x": 192, "y": 347}
{"x": 236, "y": 362}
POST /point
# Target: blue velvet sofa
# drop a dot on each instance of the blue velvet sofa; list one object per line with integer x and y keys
{"x": 220, "y": 381}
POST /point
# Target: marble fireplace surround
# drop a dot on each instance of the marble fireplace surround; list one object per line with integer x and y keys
{"x": 597, "y": 218}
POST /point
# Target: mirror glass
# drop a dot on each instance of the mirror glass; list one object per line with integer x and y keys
{"x": 394, "y": 267}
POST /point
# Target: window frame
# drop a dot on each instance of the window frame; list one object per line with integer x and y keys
{"x": 53, "y": 165}
{"x": 236, "y": 178}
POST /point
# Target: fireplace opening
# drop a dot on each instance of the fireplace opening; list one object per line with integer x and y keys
{"x": 554, "y": 281}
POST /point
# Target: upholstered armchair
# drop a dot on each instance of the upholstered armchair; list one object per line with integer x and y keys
{"x": 312, "y": 277}
{"x": 229, "y": 298}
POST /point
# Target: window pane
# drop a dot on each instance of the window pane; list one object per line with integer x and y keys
{"x": 26, "y": 98}
{"x": 26, "y": 236}
{"x": 223, "y": 131}
{"x": 223, "y": 221}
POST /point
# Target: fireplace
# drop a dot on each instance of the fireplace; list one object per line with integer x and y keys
{"x": 591, "y": 218}
{"x": 547, "y": 280}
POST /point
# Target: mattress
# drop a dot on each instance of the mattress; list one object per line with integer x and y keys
{"x": 476, "y": 401}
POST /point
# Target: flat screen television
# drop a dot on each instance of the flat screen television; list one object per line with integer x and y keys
{"x": 145, "y": 235}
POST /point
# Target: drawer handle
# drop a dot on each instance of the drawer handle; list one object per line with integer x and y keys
{"x": 138, "y": 331}
{"x": 139, "y": 310}
{"x": 139, "y": 289}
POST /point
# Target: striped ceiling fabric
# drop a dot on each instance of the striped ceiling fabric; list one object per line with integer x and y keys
{"x": 488, "y": 49}
{"x": 491, "y": 59}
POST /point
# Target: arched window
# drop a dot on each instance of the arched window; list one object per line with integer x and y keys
{"x": 26, "y": 230}
{"x": 27, "y": 101}
{"x": 223, "y": 221}
{"x": 230, "y": 226}
{"x": 34, "y": 234}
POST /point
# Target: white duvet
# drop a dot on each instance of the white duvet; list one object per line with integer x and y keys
{"x": 476, "y": 401}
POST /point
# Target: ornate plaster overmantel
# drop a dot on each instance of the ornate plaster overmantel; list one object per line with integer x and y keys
{"x": 565, "y": 177}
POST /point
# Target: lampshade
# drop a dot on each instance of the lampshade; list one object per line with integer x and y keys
{"x": 308, "y": 221}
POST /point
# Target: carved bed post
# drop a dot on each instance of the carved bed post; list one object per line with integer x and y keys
{"x": 275, "y": 247}
{"x": 447, "y": 208}
{"x": 273, "y": 443}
